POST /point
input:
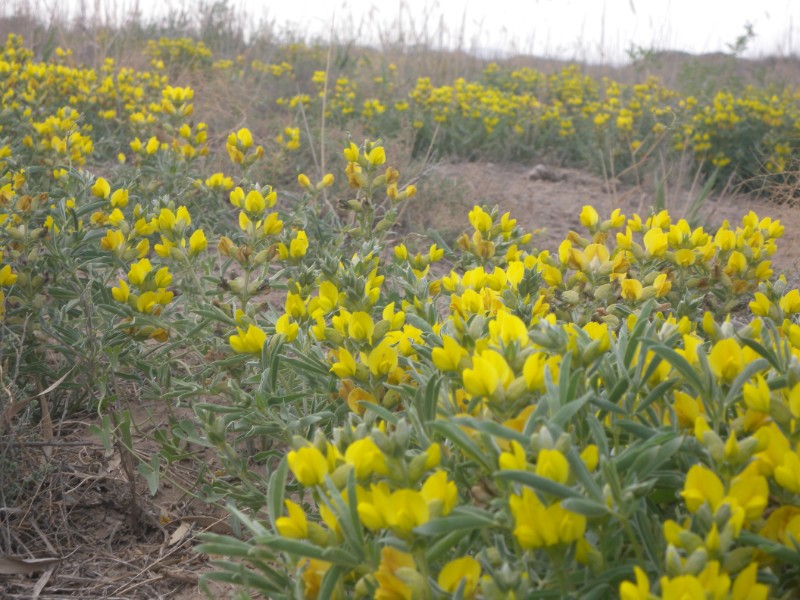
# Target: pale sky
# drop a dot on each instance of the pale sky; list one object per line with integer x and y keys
{"x": 598, "y": 30}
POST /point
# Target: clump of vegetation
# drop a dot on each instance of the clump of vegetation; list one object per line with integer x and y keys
{"x": 613, "y": 416}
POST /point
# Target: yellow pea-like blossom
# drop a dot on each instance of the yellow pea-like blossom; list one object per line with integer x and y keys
{"x": 439, "y": 493}
{"x": 345, "y": 366}
{"x": 465, "y": 569}
{"x": 448, "y": 357}
{"x": 702, "y": 486}
{"x": 489, "y": 370}
{"x": 757, "y": 395}
{"x": 101, "y": 188}
{"x": 361, "y": 326}
{"x": 589, "y": 217}
{"x": 250, "y": 341}
{"x": 382, "y": 359}
{"x": 726, "y": 360}
{"x": 197, "y": 242}
{"x": 366, "y": 458}
{"x": 636, "y": 591}
{"x": 631, "y": 289}
{"x": 552, "y": 465}
{"x": 294, "y": 526}
{"x": 308, "y": 465}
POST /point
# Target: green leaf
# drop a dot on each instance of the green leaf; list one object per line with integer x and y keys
{"x": 544, "y": 485}
{"x": 779, "y": 551}
{"x": 747, "y": 373}
{"x": 764, "y": 353}
{"x": 583, "y": 475}
{"x": 680, "y": 364}
{"x": 466, "y": 519}
{"x": 276, "y": 490}
{"x": 445, "y": 544}
{"x": 151, "y": 472}
{"x": 329, "y": 582}
{"x": 493, "y": 428}
{"x": 452, "y": 433}
{"x": 379, "y": 410}
{"x": 570, "y": 409}
{"x": 586, "y": 507}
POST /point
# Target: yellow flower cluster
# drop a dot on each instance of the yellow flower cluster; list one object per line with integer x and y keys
{"x": 561, "y": 382}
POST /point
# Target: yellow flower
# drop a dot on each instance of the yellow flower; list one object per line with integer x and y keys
{"x": 139, "y": 271}
{"x": 514, "y": 460}
{"x": 533, "y": 371}
{"x": 377, "y": 156}
{"x": 638, "y": 591}
{"x": 304, "y": 181}
{"x": 589, "y": 217}
{"x": 449, "y": 356}
{"x": 308, "y": 465}
{"x": 382, "y": 360}
{"x": 392, "y": 575}
{"x": 272, "y": 224}
{"x": 489, "y": 370}
{"x": 351, "y": 153}
{"x": 361, "y": 327}
{"x": 295, "y": 526}
{"x": 662, "y": 285}
{"x": 726, "y": 360}
{"x": 683, "y": 587}
{"x": 313, "y": 572}
{"x": 439, "y": 493}
{"x": 244, "y": 137}
{"x": 287, "y": 328}
{"x": 345, "y": 366}
{"x": 237, "y": 197}
{"x": 757, "y": 396}
{"x": 366, "y": 458}
{"x": 328, "y": 297}
{"x": 760, "y": 305}
{"x": 552, "y": 465}
{"x": 632, "y": 289}
{"x": 122, "y": 293}
{"x": 655, "y": 242}
{"x": 152, "y": 145}
{"x": 790, "y": 302}
{"x": 590, "y": 457}
{"x": 480, "y": 220}
{"x": 299, "y": 245}
{"x": 404, "y": 510}
{"x": 327, "y": 181}
{"x": 101, "y": 188}
{"x": 197, "y": 242}
{"x": 537, "y": 526}
{"x": 249, "y": 342}
{"x": 119, "y": 198}
{"x": 465, "y": 569}
{"x": 687, "y": 409}
{"x": 114, "y": 241}
{"x": 748, "y": 492}
{"x": 737, "y": 263}
{"x": 745, "y": 586}
{"x": 788, "y": 473}
{"x": 702, "y": 485}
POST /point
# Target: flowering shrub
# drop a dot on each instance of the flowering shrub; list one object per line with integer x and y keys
{"x": 615, "y": 416}
{"x": 539, "y": 421}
